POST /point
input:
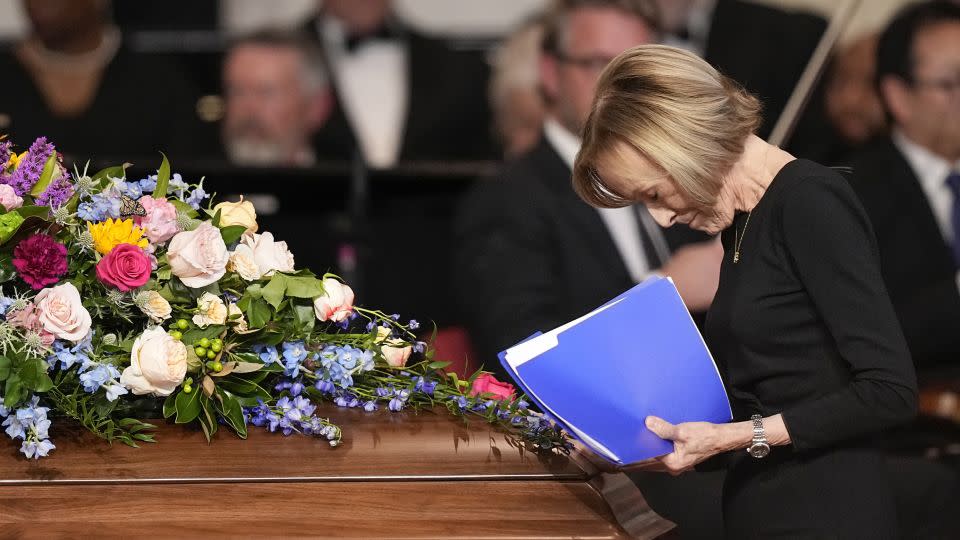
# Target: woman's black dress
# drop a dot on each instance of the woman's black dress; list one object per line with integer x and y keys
{"x": 802, "y": 326}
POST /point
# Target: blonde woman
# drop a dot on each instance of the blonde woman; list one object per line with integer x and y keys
{"x": 801, "y": 326}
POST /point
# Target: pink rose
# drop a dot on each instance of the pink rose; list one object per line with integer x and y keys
{"x": 61, "y": 312}
{"x": 160, "y": 223}
{"x": 9, "y": 198}
{"x": 126, "y": 267}
{"x": 487, "y": 383}
{"x": 336, "y": 302}
{"x": 198, "y": 257}
{"x": 28, "y": 318}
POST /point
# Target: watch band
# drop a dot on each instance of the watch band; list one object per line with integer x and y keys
{"x": 759, "y": 448}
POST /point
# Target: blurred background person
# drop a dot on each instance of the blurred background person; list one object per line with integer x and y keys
{"x": 909, "y": 181}
{"x": 530, "y": 255}
{"x": 763, "y": 47}
{"x": 398, "y": 95}
{"x": 515, "y": 98}
{"x": 72, "y": 80}
{"x": 852, "y": 104}
{"x": 277, "y": 97}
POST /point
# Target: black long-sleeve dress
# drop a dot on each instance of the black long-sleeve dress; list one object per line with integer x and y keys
{"x": 802, "y": 325}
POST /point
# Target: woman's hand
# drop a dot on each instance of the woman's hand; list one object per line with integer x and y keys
{"x": 693, "y": 442}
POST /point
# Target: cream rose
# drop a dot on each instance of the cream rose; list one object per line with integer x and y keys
{"x": 198, "y": 257}
{"x": 270, "y": 256}
{"x": 158, "y": 364}
{"x": 242, "y": 262}
{"x": 240, "y": 323}
{"x": 210, "y": 310}
{"x": 238, "y": 213}
{"x": 154, "y": 306}
{"x": 395, "y": 353}
{"x": 336, "y": 302}
{"x": 61, "y": 312}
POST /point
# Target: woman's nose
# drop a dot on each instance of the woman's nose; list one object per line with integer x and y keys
{"x": 663, "y": 216}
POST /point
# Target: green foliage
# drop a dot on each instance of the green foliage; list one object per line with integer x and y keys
{"x": 46, "y": 176}
{"x": 232, "y": 233}
{"x": 284, "y": 285}
{"x": 163, "y": 178}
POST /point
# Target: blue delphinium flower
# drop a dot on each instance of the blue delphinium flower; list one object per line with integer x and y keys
{"x": 325, "y": 386}
{"x": 424, "y": 385}
{"x": 5, "y": 304}
{"x": 148, "y": 184}
{"x": 370, "y": 406}
{"x": 294, "y": 352}
{"x": 268, "y": 353}
{"x": 29, "y": 423}
{"x": 176, "y": 184}
{"x": 98, "y": 376}
{"x": 196, "y": 197}
{"x": 413, "y": 324}
{"x": 419, "y": 347}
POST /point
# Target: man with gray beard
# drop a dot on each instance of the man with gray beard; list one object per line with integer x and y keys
{"x": 277, "y": 97}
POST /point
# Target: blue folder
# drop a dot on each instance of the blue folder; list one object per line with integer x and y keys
{"x": 601, "y": 375}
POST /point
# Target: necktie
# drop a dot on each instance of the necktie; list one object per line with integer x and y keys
{"x": 953, "y": 181}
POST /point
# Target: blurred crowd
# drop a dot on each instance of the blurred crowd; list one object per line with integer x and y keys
{"x": 354, "y": 82}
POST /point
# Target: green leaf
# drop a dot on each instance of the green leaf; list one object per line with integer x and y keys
{"x": 9, "y": 224}
{"x": 216, "y": 219}
{"x": 248, "y": 367}
{"x": 255, "y": 290}
{"x": 163, "y": 179}
{"x": 4, "y": 368}
{"x": 104, "y": 175}
{"x": 305, "y": 315}
{"x": 259, "y": 314}
{"x": 188, "y": 406}
{"x": 7, "y": 270}
{"x": 13, "y": 392}
{"x": 33, "y": 373}
{"x": 274, "y": 291}
{"x": 164, "y": 273}
{"x": 232, "y": 233}
{"x": 304, "y": 286}
{"x": 438, "y": 365}
{"x": 49, "y": 168}
{"x": 170, "y": 406}
{"x": 184, "y": 208}
{"x": 232, "y": 412}
{"x": 33, "y": 211}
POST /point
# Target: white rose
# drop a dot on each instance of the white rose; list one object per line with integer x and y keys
{"x": 242, "y": 262}
{"x": 395, "y": 353}
{"x": 238, "y": 213}
{"x": 198, "y": 257}
{"x": 61, "y": 312}
{"x": 336, "y": 302}
{"x": 158, "y": 364}
{"x": 210, "y": 310}
{"x": 154, "y": 306}
{"x": 269, "y": 255}
{"x": 240, "y": 322}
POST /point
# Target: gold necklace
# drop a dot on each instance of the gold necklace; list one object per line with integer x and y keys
{"x": 738, "y": 238}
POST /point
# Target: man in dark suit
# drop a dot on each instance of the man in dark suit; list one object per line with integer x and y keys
{"x": 398, "y": 95}
{"x": 530, "y": 255}
{"x": 763, "y": 48}
{"x": 907, "y": 181}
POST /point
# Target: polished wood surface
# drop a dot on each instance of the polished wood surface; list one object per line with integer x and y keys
{"x": 396, "y": 475}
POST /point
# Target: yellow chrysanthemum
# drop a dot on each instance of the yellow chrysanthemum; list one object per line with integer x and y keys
{"x": 14, "y": 160}
{"x": 109, "y": 233}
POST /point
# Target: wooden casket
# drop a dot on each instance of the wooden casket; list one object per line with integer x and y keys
{"x": 395, "y": 475}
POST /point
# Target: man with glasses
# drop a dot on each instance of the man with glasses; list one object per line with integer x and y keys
{"x": 909, "y": 182}
{"x": 531, "y": 255}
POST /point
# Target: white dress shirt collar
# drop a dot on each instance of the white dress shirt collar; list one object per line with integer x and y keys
{"x": 621, "y": 223}
{"x": 931, "y": 170}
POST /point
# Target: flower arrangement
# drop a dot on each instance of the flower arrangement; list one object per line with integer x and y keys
{"x": 121, "y": 300}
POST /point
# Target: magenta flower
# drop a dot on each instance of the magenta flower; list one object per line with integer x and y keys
{"x": 40, "y": 260}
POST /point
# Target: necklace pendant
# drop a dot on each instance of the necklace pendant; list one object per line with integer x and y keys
{"x": 736, "y": 257}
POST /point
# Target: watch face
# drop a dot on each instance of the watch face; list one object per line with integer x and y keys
{"x": 759, "y": 450}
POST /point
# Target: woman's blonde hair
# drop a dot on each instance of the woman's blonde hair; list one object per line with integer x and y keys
{"x": 677, "y": 111}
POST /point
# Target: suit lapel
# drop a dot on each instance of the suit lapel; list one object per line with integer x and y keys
{"x": 596, "y": 237}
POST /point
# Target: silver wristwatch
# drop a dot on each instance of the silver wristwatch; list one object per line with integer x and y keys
{"x": 758, "y": 446}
